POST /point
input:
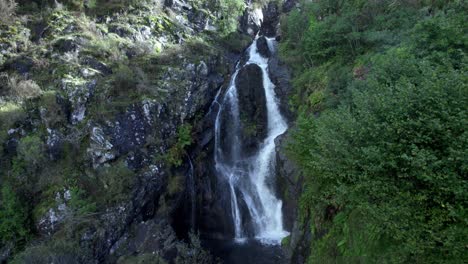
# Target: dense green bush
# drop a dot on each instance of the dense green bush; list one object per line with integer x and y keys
{"x": 385, "y": 158}
{"x": 14, "y": 221}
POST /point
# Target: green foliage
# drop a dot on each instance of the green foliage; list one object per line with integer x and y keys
{"x": 236, "y": 41}
{"x": 229, "y": 13}
{"x": 386, "y": 156}
{"x": 14, "y": 221}
{"x": 80, "y": 203}
{"x": 117, "y": 181}
{"x": 54, "y": 251}
{"x": 30, "y": 150}
{"x": 177, "y": 151}
{"x": 10, "y": 114}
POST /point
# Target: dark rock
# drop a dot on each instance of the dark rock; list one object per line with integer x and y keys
{"x": 271, "y": 17}
{"x": 263, "y": 48}
{"x": 123, "y": 32}
{"x": 97, "y": 65}
{"x": 280, "y": 75}
{"x": 168, "y": 3}
{"x": 252, "y": 106}
{"x": 290, "y": 183}
{"x": 288, "y": 5}
{"x": 22, "y": 65}
{"x": 130, "y": 130}
{"x": 38, "y": 30}
{"x": 67, "y": 44}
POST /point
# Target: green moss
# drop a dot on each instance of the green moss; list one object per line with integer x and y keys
{"x": 285, "y": 242}
{"x": 175, "y": 184}
{"x": 116, "y": 182}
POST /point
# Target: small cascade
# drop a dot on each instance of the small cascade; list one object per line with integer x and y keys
{"x": 192, "y": 195}
{"x": 256, "y": 211}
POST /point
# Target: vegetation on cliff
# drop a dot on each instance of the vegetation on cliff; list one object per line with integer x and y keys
{"x": 76, "y": 75}
{"x": 381, "y": 93}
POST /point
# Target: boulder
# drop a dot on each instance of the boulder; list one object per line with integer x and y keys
{"x": 263, "y": 48}
{"x": 251, "y": 21}
{"x": 252, "y": 107}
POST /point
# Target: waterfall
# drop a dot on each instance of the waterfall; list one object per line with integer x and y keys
{"x": 192, "y": 194}
{"x": 249, "y": 177}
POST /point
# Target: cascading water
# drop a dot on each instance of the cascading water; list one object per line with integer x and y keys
{"x": 249, "y": 177}
{"x": 192, "y": 195}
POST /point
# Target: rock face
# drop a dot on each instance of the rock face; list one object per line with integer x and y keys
{"x": 252, "y": 104}
{"x": 262, "y": 46}
{"x": 251, "y": 21}
{"x": 290, "y": 184}
{"x": 271, "y": 17}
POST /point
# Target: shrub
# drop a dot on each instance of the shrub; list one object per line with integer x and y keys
{"x": 23, "y": 89}
{"x": 14, "y": 223}
{"x": 54, "y": 251}
{"x": 229, "y": 12}
{"x": 30, "y": 149}
{"x": 10, "y": 114}
{"x": 392, "y": 159}
{"x": 177, "y": 151}
{"x": 117, "y": 182}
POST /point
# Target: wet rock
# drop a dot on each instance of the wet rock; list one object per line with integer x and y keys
{"x": 290, "y": 184}
{"x": 280, "y": 75}
{"x": 252, "y": 106}
{"x": 263, "y": 48}
{"x": 54, "y": 144}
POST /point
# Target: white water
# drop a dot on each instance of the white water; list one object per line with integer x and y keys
{"x": 249, "y": 176}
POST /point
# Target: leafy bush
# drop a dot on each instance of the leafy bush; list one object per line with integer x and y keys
{"x": 384, "y": 155}
{"x": 30, "y": 149}
{"x": 10, "y": 113}
{"x": 23, "y": 89}
{"x": 177, "y": 151}
{"x": 117, "y": 182}
{"x": 229, "y": 13}
{"x": 14, "y": 221}
{"x": 54, "y": 251}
